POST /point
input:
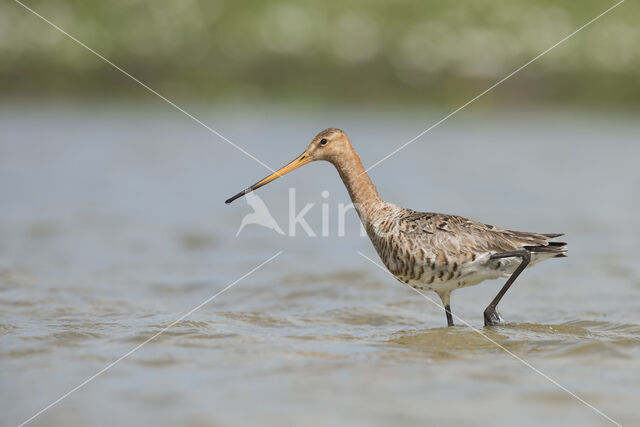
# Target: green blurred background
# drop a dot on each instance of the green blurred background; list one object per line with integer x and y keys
{"x": 400, "y": 51}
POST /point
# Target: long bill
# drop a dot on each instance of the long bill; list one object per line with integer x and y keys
{"x": 302, "y": 159}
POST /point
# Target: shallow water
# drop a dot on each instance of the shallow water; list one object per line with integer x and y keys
{"x": 113, "y": 225}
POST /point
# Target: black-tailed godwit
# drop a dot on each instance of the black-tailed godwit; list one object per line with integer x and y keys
{"x": 427, "y": 251}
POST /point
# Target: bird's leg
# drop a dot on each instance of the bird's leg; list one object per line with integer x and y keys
{"x": 449, "y": 315}
{"x": 445, "y": 297}
{"x": 491, "y": 316}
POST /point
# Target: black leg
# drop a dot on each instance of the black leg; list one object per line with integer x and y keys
{"x": 491, "y": 316}
{"x": 447, "y": 308}
{"x": 446, "y": 298}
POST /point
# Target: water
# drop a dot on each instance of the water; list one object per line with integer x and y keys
{"x": 113, "y": 225}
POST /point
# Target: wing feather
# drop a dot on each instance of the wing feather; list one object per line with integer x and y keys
{"x": 455, "y": 235}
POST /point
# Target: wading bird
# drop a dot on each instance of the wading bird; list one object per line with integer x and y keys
{"x": 427, "y": 251}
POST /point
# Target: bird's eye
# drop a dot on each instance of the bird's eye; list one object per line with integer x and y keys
{"x": 323, "y": 141}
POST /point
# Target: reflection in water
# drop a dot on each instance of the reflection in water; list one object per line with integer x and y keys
{"x": 113, "y": 225}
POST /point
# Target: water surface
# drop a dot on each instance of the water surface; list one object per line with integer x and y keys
{"x": 113, "y": 225}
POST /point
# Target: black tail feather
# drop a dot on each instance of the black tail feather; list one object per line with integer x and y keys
{"x": 559, "y": 248}
{"x": 553, "y": 235}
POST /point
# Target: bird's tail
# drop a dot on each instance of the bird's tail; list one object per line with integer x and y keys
{"x": 557, "y": 249}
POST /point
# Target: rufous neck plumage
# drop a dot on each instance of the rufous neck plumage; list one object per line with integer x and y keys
{"x": 362, "y": 191}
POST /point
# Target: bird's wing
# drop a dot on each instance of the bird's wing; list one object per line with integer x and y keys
{"x": 455, "y": 235}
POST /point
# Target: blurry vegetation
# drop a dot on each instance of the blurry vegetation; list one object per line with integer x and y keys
{"x": 377, "y": 51}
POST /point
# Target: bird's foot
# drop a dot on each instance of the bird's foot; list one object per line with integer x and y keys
{"x": 492, "y": 318}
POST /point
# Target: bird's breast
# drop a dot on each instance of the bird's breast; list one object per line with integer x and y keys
{"x": 414, "y": 263}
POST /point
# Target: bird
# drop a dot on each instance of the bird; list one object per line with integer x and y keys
{"x": 426, "y": 250}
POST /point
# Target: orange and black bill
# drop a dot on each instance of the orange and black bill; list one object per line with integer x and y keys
{"x": 302, "y": 159}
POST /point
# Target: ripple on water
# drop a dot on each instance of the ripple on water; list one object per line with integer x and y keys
{"x": 341, "y": 276}
{"x": 180, "y": 287}
{"x": 24, "y": 352}
{"x": 69, "y": 338}
{"x": 185, "y": 333}
{"x": 357, "y": 316}
{"x": 6, "y": 328}
{"x": 570, "y": 339}
{"x": 601, "y": 326}
{"x": 258, "y": 319}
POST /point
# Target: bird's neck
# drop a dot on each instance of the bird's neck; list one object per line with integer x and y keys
{"x": 363, "y": 193}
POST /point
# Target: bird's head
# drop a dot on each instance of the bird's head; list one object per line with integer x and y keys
{"x": 328, "y": 145}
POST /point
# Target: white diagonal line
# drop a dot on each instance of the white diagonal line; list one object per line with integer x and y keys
{"x": 136, "y": 348}
{"x": 490, "y": 88}
{"x": 500, "y": 346}
{"x": 168, "y": 101}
